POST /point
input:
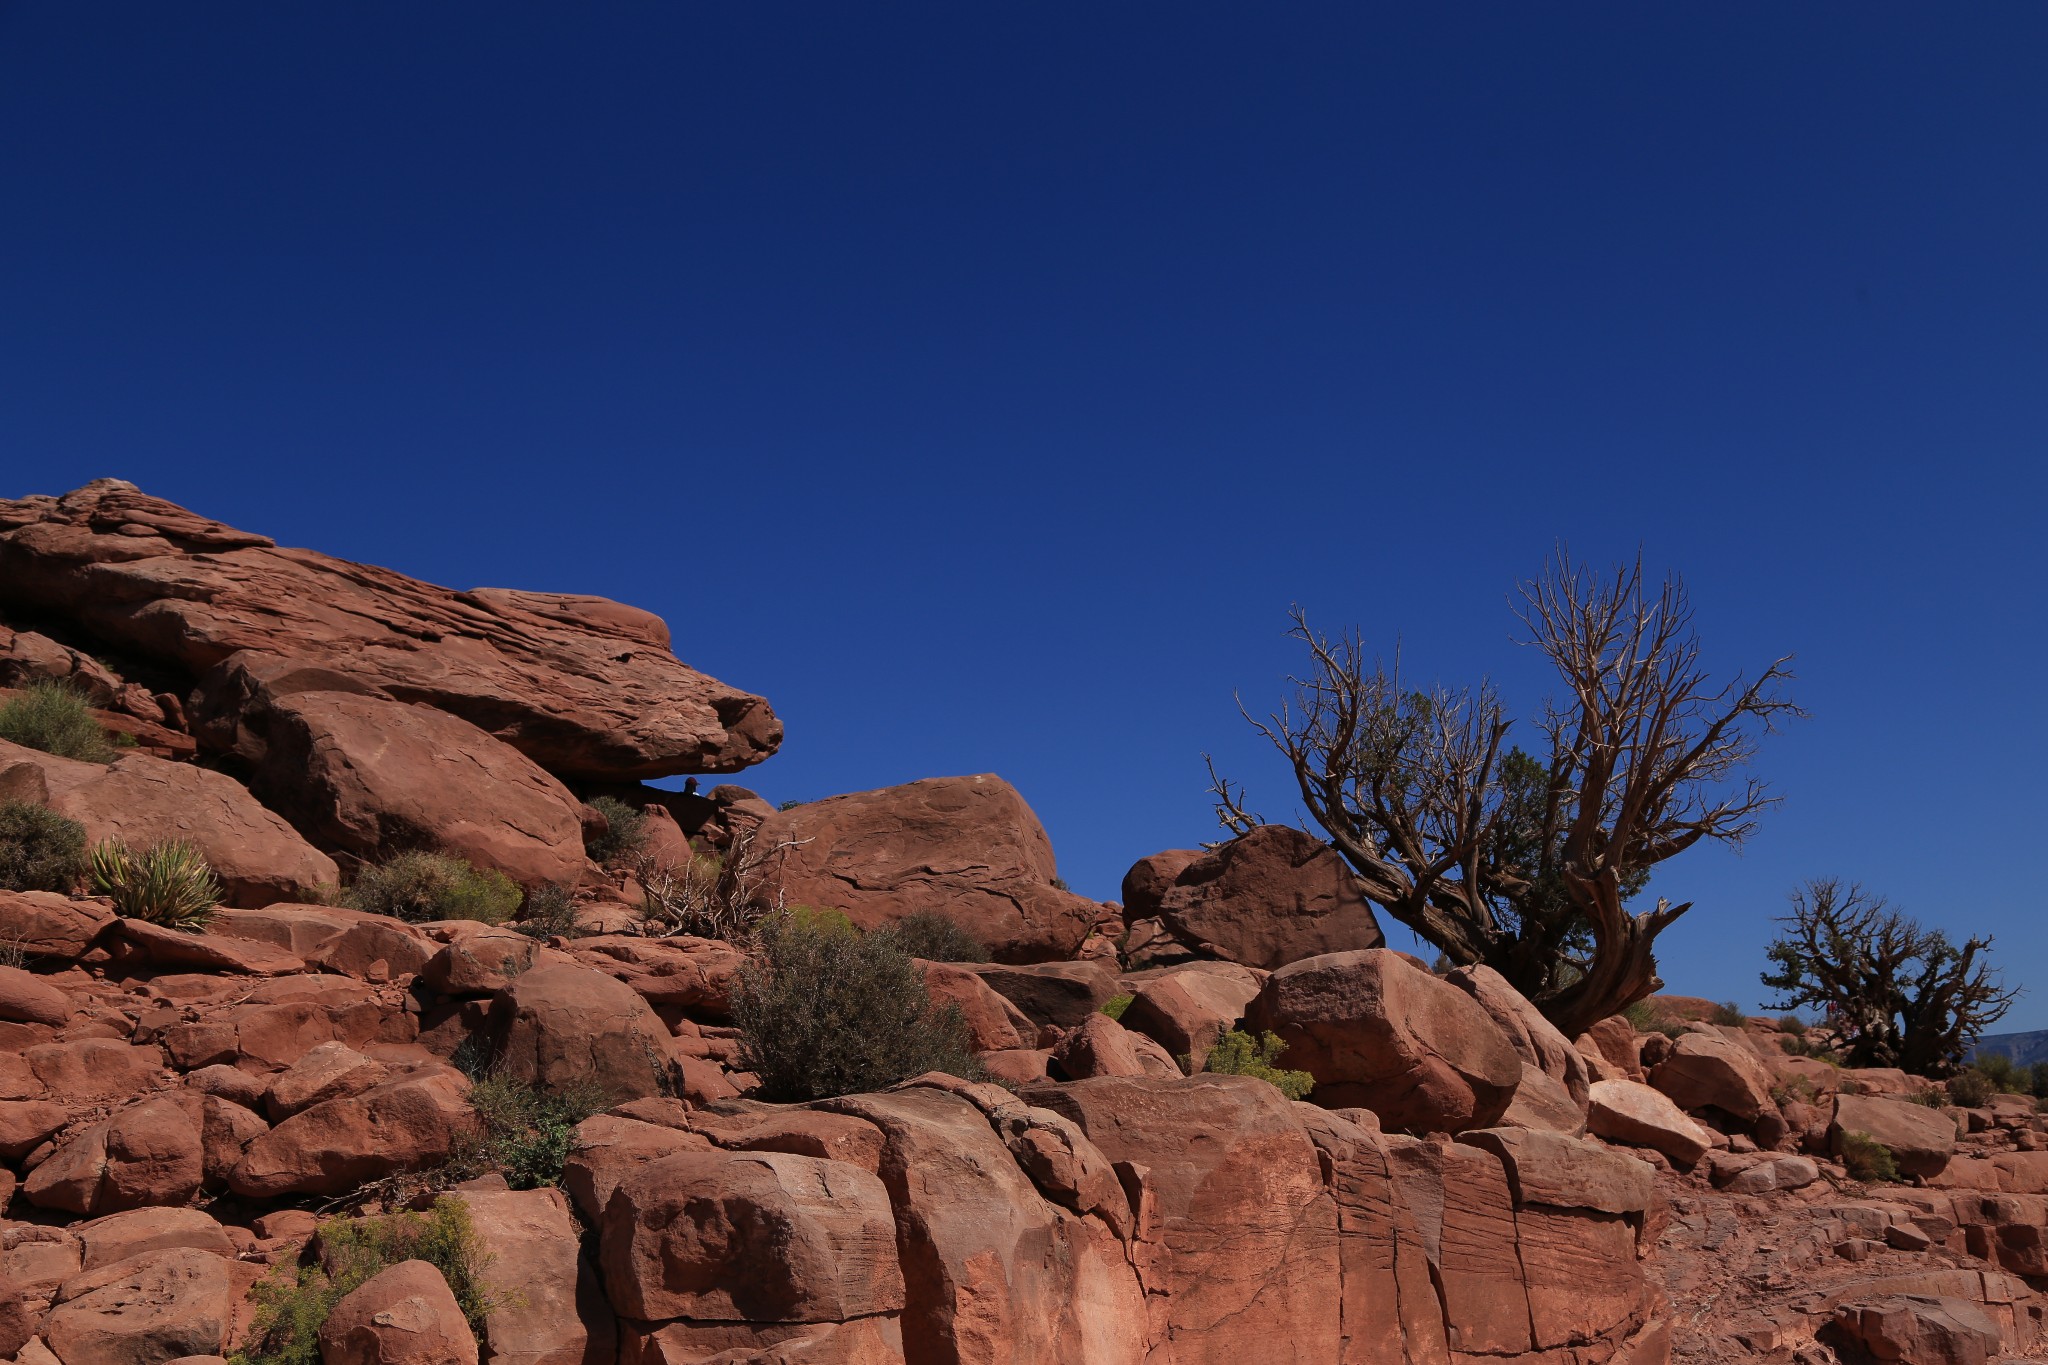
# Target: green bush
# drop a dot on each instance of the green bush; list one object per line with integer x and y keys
{"x": 1115, "y": 1006}
{"x": 1730, "y": 1015}
{"x": 291, "y": 1307}
{"x": 931, "y": 936}
{"x": 1792, "y": 1026}
{"x": 1930, "y": 1098}
{"x": 55, "y": 719}
{"x": 167, "y": 883}
{"x": 1645, "y": 1017}
{"x": 528, "y": 1132}
{"x": 1240, "y": 1054}
{"x": 1868, "y": 1159}
{"x": 625, "y": 831}
{"x": 550, "y": 913}
{"x": 430, "y": 886}
{"x": 40, "y": 850}
{"x": 824, "y": 1010}
{"x": 1971, "y": 1088}
{"x": 2001, "y": 1071}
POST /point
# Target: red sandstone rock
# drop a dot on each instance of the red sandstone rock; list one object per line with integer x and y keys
{"x": 328, "y": 1071}
{"x": 754, "y": 1237}
{"x": 559, "y": 1316}
{"x": 1099, "y": 1047}
{"x": 1264, "y": 899}
{"x": 1062, "y": 994}
{"x": 583, "y": 686}
{"x": 993, "y": 1023}
{"x": 694, "y": 974}
{"x": 158, "y": 1306}
{"x": 1921, "y": 1139}
{"x": 1380, "y": 1033}
{"x": 1625, "y": 1111}
{"x": 1711, "y": 1070}
{"x": 333, "y": 1147}
{"x": 968, "y": 848}
{"x": 1921, "y": 1330}
{"x": 120, "y": 1236}
{"x": 1187, "y": 1009}
{"x": 403, "y": 1315}
{"x": 1535, "y": 1038}
{"x": 369, "y": 776}
{"x": 147, "y": 948}
{"x": 558, "y": 1026}
{"x": 50, "y": 926}
{"x": 28, "y": 999}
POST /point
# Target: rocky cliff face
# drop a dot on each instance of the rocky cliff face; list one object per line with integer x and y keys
{"x": 188, "y": 1118}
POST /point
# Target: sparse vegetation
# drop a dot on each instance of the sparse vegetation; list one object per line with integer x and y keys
{"x": 1728, "y": 1014}
{"x": 1240, "y": 1054}
{"x": 167, "y": 883}
{"x": 824, "y": 1010}
{"x": 550, "y": 913}
{"x": 789, "y": 805}
{"x": 1060, "y": 884}
{"x": 1645, "y": 1016}
{"x": 293, "y": 1305}
{"x": 1792, "y": 1026}
{"x": 1895, "y": 994}
{"x": 527, "y": 1133}
{"x": 1971, "y": 1088}
{"x": 40, "y": 850}
{"x": 1527, "y": 861}
{"x": 625, "y": 832}
{"x": 55, "y": 719}
{"x": 1865, "y": 1158}
{"x": 710, "y": 897}
{"x": 434, "y": 886}
{"x": 1115, "y": 1006}
{"x": 935, "y": 938}
{"x": 1797, "y": 1090}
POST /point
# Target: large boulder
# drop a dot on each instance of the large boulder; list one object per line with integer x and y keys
{"x": 1265, "y": 899}
{"x": 155, "y": 1307}
{"x": 968, "y": 848}
{"x": 403, "y": 1315}
{"x": 564, "y": 1025}
{"x": 750, "y": 1237}
{"x": 1630, "y": 1112}
{"x": 1707, "y": 1069}
{"x": 1061, "y": 994}
{"x": 559, "y": 1316}
{"x": 370, "y": 776}
{"x": 141, "y": 800}
{"x": 1921, "y": 1140}
{"x": 1378, "y": 1032}
{"x": 1185, "y": 1010}
{"x": 1535, "y": 1038}
{"x": 583, "y": 686}
{"x": 406, "y": 1123}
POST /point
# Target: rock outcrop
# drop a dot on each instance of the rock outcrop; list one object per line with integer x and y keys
{"x": 1264, "y": 899}
{"x": 968, "y": 848}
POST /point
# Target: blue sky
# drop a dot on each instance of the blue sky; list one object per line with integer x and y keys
{"x": 982, "y": 383}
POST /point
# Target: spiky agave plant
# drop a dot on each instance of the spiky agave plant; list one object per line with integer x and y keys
{"x": 167, "y": 883}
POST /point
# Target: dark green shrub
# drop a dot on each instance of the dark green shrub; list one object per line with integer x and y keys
{"x": 431, "y": 886}
{"x": 2037, "y": 1080}
{"x": 1866, "y": 1158}
{"x": 1240, "y": 1054}
{"x": 167, "y": 883}
{"x": 625, "y": 831}
{"x": 1930, "y": 1098}
{"x": 291, "y": 1307}
{"x": 789, "y": 805}
{"x": 55, "y": 719}
{"x": 2001, "y": 1071}
{"x": 1792, "y": 1026}
{"x": 1060, "y": 884}
{"x": 550, "y": 913}
{"x": 1971, "y": 1088}
{"x": 1115, "y": 1006}
{"x": 824, "y": 1010}
{"x": 528, "y": 1132}
{"x": 1730, "y": 1015}
{"x": 933, "y": 937}
{"x": 40, "y": 850}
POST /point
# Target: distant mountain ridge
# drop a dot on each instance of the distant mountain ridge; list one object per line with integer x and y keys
{"x": 2024, "y": 1048}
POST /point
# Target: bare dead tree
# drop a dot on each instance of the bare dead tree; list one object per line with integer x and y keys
{"x": 1895, "y": 993}
{"x": 713, "y": 896}
{"x": 1525, "y": 862}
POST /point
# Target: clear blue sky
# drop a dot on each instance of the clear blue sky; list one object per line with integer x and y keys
{"x": 981, "y": 383}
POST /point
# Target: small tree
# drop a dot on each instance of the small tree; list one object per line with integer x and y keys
{"x": 1896, "y": 993}
{"x": 1525, "y": 861}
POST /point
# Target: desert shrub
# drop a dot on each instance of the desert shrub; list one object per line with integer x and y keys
{"x": 931, "y": 936}
{"x": 528, "y": 1132}
{"x": 1866, "y": 1158}
{"x": 1792, "y": 1026}
{"x": 1930, "y": 1098}
{"x": 2000, "y": 1071}
{"x": 1240, "y": 1054}
{"x": 550, "y": 913}
{"x": 55, "y": 719}
{"x": 625, "y": 831}
{"x": 2037, "y": 1080}
{"x": 291, "y": 1307}
{"x": 1645, "y": 1017}
{"x": 40, "y": 850}
{"x": 167, "y": 883}
{"x": 1797, "y": 1090}
{"x": 431, "y": 886}
{"x": 789, "y": 805}
{"x": 1730, "y": 1015}
{"x": 824, "y": 1010}
{"x": 1971, "y": 1088}
{"x": 1115, "y": 1006}
{"x": 1060, "y": 884}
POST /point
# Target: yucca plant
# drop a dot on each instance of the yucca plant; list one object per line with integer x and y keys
{"x": 167, "y": 883}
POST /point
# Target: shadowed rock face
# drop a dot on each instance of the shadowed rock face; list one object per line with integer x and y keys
{"x": 583, "y": 686}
